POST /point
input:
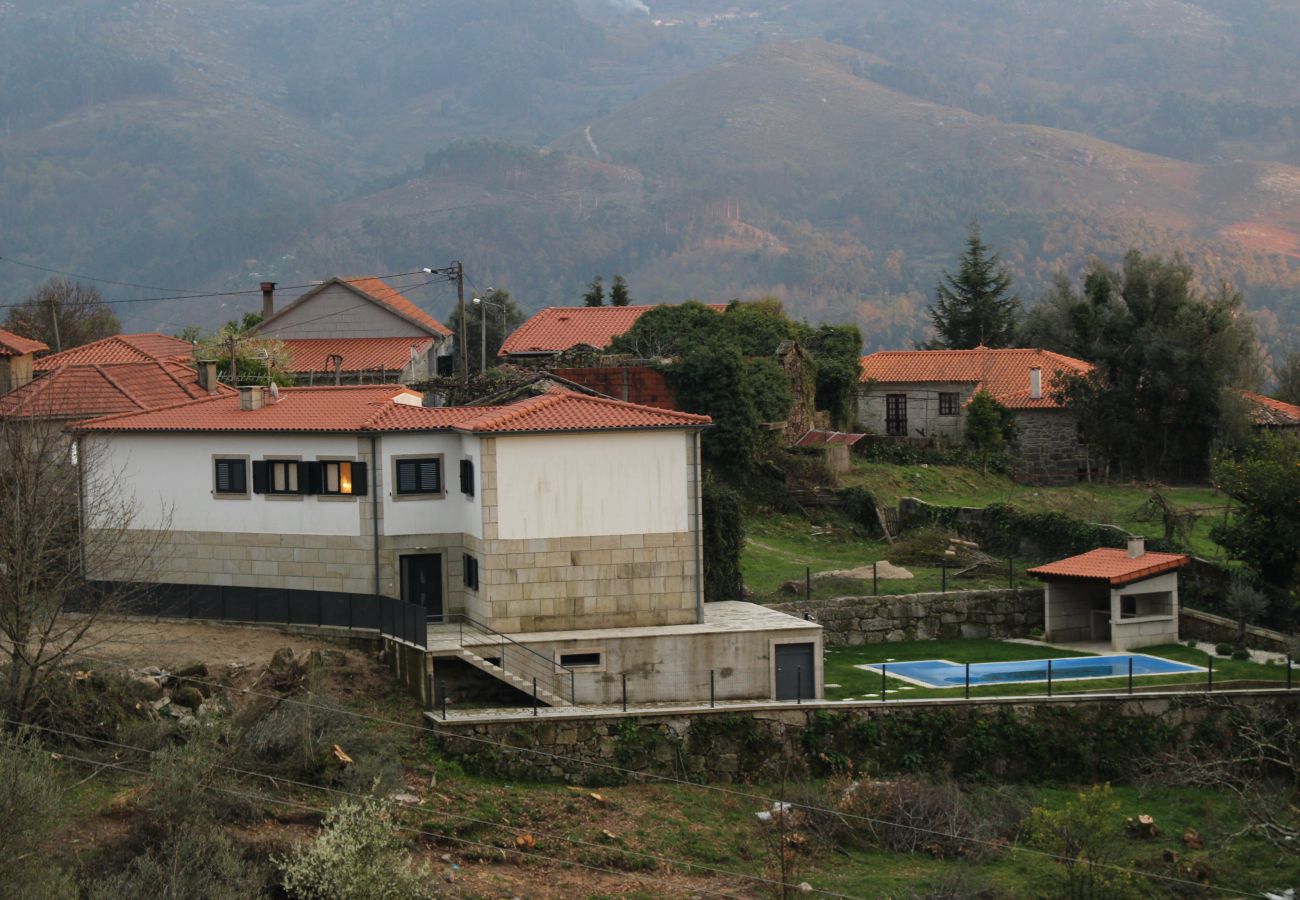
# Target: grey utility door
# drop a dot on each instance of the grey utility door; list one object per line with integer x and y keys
{"x": 422, "y": 582}
{"x": 796, "y": 676}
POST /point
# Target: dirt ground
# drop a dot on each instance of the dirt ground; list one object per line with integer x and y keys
{"x": 170, "y": 645}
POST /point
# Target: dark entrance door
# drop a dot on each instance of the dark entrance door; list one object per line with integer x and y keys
{"x": 422, "y": 582}
{"x": 796, "y": 677}
{"x": 896, "y": 415}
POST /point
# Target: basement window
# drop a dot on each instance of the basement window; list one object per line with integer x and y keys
{"x": 582, "y": 659}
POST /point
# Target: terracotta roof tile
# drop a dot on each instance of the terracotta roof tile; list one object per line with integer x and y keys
{"x": 361, "y": 408}
{"x": 119, "y": 348}
{"x": 1112, "y": 566}
{"x": 390, "y": 297}
{"x": 16, "y": 345}
{"x": 559, "y": 328}
{"x": 83, "y": 391}
{"x": 359, "y": 354}
{"x": 1004, "y": 373}
{"x": 817, "y": 438}
{"x": 1272, "y": 413}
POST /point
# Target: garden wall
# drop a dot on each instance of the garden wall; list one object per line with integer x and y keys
{"x": 1079, "y": 739}
{"x": 1203, "y": 626}
{"x": 910, "y": 617}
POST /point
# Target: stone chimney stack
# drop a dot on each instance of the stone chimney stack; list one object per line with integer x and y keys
{"x": 252, "y": 396}
{"x": 1036, "y": 383}
{"x": 207, "y": 375}
{"x": 268, "y": 299}
{"x": 1137, "y": 546}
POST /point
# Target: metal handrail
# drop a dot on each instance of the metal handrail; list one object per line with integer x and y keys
{"x": 551, "y": 669}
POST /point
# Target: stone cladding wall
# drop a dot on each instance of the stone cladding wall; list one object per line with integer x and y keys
{"x": 919, "y": 617}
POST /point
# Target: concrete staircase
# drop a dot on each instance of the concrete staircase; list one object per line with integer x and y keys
{"x": 516, "y": 681}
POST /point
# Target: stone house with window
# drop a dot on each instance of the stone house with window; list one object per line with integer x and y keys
{"x": 356, "y": 331}
{"x": 16, "y": 356}
{"x": 564, "y": 526}
{"x": 921, "y": 395}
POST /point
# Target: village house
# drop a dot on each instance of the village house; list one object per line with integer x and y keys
{"x": 1127, "y": 598}
{"x": 921, "y": 395}
{"x": 16, "y": 356}
{"x": 1274, "y": 416}
{"x": 356, "y": 331}
{"x": 557, "y": 537}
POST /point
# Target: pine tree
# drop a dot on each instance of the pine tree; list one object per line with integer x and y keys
{"x": 595, "y": 295}
{"x": 976, "y": 305}
{"x": 618, "y": 294}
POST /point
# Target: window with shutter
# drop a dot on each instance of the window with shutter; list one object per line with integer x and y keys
{"x": 231, "y": 476}
{"x": 467, "y": 477}
{"x": 282, "y": 476}
{"x": 337, "y": 477}
{"x": 469, "y": 569}
{"x": 417, "y": 476}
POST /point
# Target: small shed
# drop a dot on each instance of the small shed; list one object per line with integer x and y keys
{"x": 834, "y": 445}
{"x": 1127, "y": 597}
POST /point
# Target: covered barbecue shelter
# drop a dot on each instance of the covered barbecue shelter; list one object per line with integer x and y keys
{"x": 1126, "y": 597}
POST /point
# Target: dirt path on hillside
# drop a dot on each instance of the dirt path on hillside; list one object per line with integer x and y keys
{"x": 170, "y": 645}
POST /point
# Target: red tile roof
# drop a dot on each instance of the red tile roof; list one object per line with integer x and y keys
{"x": 359, "y": 354}
{"x": 362, "y": 408}
{"x": 83, "y": 391}
{"x": 1003, "y": 373}
{"x": 559, "y": 328}
{"x": 16, "y": 345}
{"x": 119, "y": 348}
{"x": 1112, "y": 566}
{"x": 390, "y": 297}
{"x": 1270, "y": 413}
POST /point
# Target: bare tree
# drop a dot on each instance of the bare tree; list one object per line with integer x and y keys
{"x": 49, "y": 612}
{"x": 64, "y": 314}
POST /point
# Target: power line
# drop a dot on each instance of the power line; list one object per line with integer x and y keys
{"x": 668, "y": 779}
{"x": 268, "y": 798}
{"x": 83, "y": 277}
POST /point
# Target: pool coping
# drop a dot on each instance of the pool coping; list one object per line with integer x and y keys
{"x": 875, "y": 669}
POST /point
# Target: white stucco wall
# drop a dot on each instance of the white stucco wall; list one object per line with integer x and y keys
{"x": 170, "y": 476}
{"x": 579, "y": 485}
{"x": 451, "y": 513}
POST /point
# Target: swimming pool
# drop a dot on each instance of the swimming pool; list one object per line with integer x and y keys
{"x": 941, "y": 673}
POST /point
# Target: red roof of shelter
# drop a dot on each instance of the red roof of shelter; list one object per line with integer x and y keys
{"x": 1003, "y": 373}
{"x": 82, "y": 391}
{"x": 1272, "y": 413}
{"x": 361, "y": 408}
{"x": 559, "y": 328}
{"x": 1112, "y": 566}
{"x": 359, "y": 354}
{"x": 824, "y": 438}
{"x": 16, "y": 345}
{"x": 120, "y": 348}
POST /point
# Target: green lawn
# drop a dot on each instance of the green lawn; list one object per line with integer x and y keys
{"x": 858, "y": 684}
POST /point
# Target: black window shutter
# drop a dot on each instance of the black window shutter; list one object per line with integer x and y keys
{"x": 309, "y": 477}
{"x": 260, "y": 476}
{"x": 223, "y": 476}
{"x": 359, "y": 481}
{"x": 430, "y": 476}
{"x": 467, "y": 476}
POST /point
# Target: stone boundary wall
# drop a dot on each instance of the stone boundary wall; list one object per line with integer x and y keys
{"x": 1203, "y": 626}
{"x": 913, "y": 617}
{"x": 1100, "y": 737}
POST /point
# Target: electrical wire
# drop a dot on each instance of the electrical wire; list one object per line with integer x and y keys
{"x": 430, "y": 726}
{"x": 280, "y": 801}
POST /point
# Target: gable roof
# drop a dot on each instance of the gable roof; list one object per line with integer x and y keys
{"x": 1111, "y": 566}
{"x": 1003, "y": 373}
{"x": 1269, "y": 413}
{"x": 393, "y": 408}
{"x": 83, "y": 391}
{"x": 359, "y": 354}
{"x": 16, "y": 345}
{"x": 120, "y": 348}
{"x": 559, "y": 328}
{"x": 376, "y": 291}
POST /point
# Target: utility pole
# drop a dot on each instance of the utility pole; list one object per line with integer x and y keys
{"x": 54, "y": 321}
{"x": 234, "y": 374}
{"x": 457, "y": 271}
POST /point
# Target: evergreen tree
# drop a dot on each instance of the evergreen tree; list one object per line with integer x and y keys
{"x": 618, "y": 293}
{"x": 1288, "y": 378}
{"x": 976, "y": 305}
{"x": 595, "y": 295}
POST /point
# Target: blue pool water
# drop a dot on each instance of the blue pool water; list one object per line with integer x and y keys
{"x": 940, "y": 673}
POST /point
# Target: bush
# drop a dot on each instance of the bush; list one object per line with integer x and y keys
{"x": 1223, "y": 649}
{"x": 724, "y": 541}
{"x": 1241, "y": 653}
{"x": 356, "y": 856}
{"x": 197, "y": 863}
{"x": 31, "y": 804}
{"x": 905, "y": 453}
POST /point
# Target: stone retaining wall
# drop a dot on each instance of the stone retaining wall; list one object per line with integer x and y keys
{"x": 1203, "y": 626}
{"x": 912, "y": 617}
{"x": 1075, "y": 738}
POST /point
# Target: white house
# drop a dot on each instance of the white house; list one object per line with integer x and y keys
{"x": 1127, "y": 597}
{"x": 569, "y": 524}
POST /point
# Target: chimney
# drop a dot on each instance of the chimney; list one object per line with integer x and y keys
{"x": 1137, "y": 546}
{"x": 1035, "y": 383}
{"x": 268, "y": 299}
{"x": 252, "y": 396}
{"x": 207, "y": 375}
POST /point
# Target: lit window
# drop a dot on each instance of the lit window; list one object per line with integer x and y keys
{"x": 338, "y": 477}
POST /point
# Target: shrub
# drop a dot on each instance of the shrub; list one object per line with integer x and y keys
{"x": 1087, "y": 836}
{"x": 1241, "y": 653}
{"x": 356, "y": 856}
{"x": 197, "y": 863}
{"x": 1223, "y": 649}
{"x": 30, "y": 806}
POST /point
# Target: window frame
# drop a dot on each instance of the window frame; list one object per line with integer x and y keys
{"x": 248, "y": 476}
{"x": 467, "y": 477}
{"x": 400, "y": 496}
{"x": 324, "y": 493}
{"x": 271, "y": 492}
{"x": 469, "y": 571}
{"x": 953, "y": 397}
{"x": 561, "y": 665}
